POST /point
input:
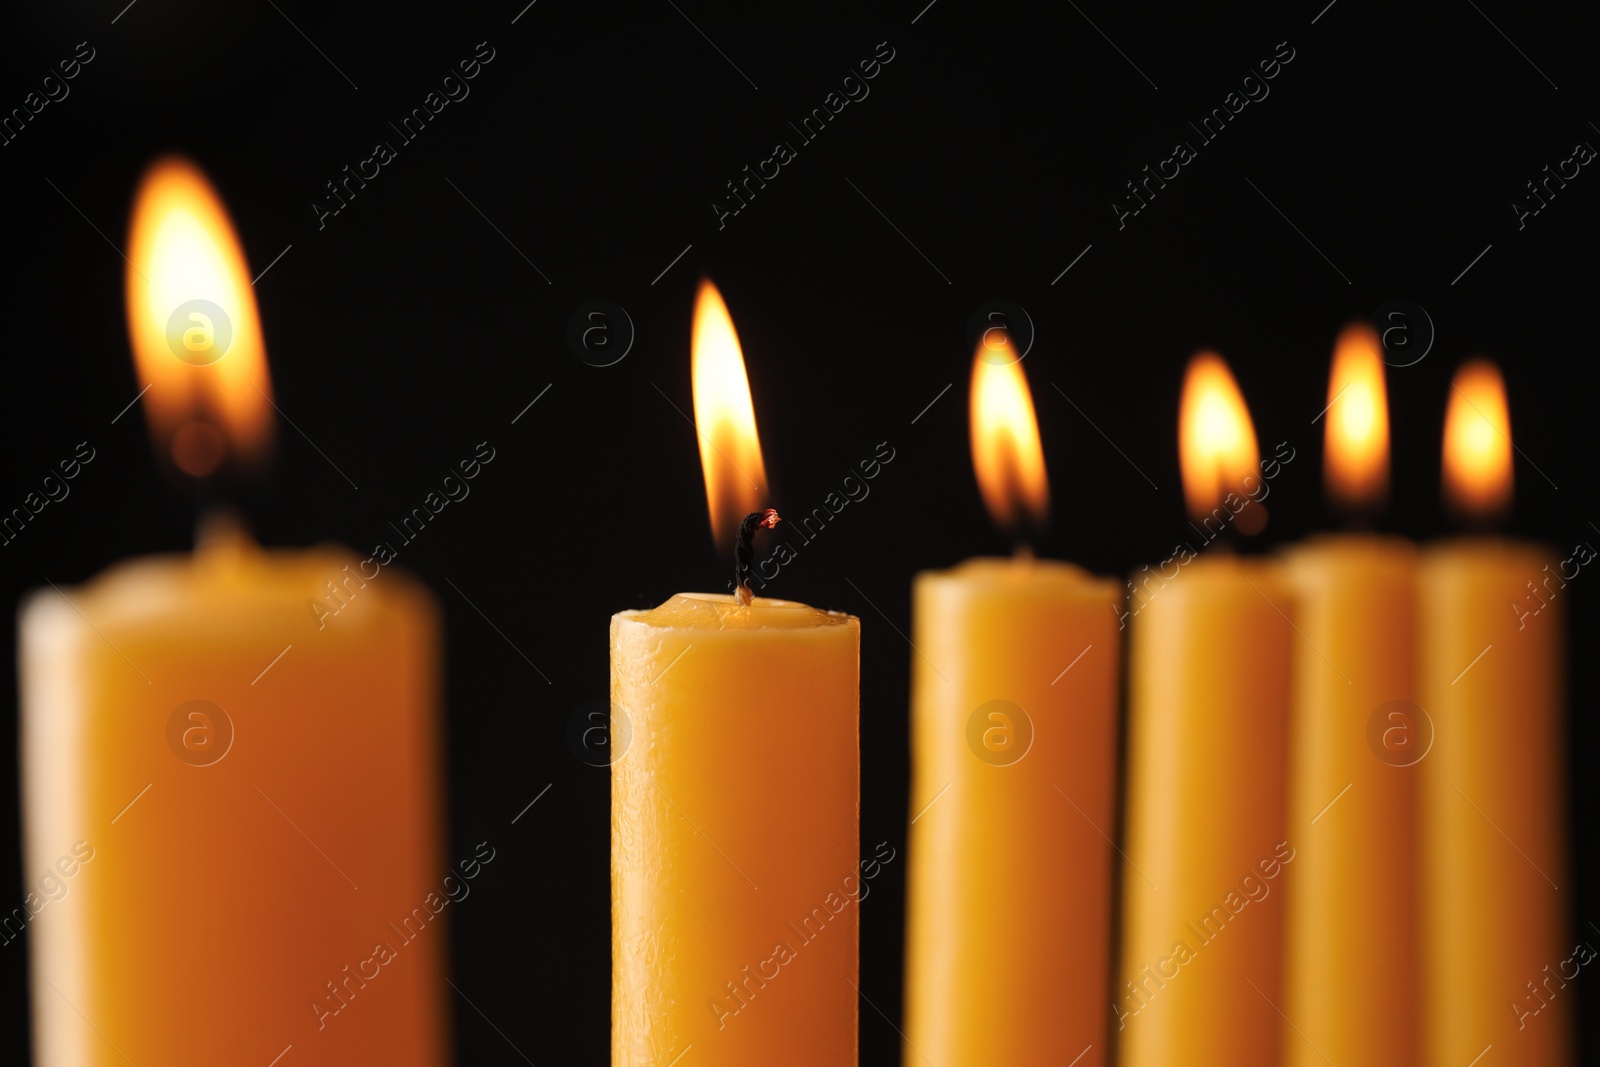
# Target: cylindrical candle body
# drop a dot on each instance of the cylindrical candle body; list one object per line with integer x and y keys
{"x": 1351, "y": 984}
{"x": 1498, "y": 961}
{"x": 1014, "y": 736}
{"x": 234, "y": 773}
{"x": 1207, "y": 839}
{"x": 735, "y": 869}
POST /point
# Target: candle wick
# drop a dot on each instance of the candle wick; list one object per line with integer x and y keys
{"x": 221, "y": 537}
{"x": 744, "y": 551}
{"x": 198, "y": 449}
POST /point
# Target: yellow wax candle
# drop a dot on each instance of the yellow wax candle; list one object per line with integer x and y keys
{"x": 1014, "y": 734}
{"x": 734, "y": 880}
{"x": 1207, "y": 746}
{"x": 232, "y": 759}
{"x": 1351, "y": 977}
{"x": 259, "y": 800}
{"x": 735, "y": 796}
{"x": 1014, "y": 731}
{"x": 1498, "y": 955}
{"x": 1351, "y": 982}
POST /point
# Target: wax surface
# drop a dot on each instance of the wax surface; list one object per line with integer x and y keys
{"x": 222, "y": 899}
{"x": 1351, "y": 981}
{"x": 1009, "y": 899}
{"x": 1207, "y": 840}
{"x": 735, "y": 865}
{"x": 1494, "y": 846}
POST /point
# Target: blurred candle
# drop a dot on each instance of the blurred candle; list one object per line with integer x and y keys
{"x": 1014, "y": 734}
{"x": 234, "y": 766}
{"x": 735, "y": 886}
{"x": 1207, "y": 747}
{"x": 1351, "y": 984}
{"x": 1493, "y": 633}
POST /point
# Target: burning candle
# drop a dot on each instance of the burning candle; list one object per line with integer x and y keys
{"x": 1351, "y": 983}
{"x": 735, "y": 884}
{"x": 257, "y": 798}
{"x": 1014, "y": 734}
{"x": 1498, "y": 962}
{"x": 1207, "y": 746}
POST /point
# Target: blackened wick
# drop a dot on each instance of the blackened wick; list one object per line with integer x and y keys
{"x": 744, "y": 550}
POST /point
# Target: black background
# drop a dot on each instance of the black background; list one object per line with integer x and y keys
{"x": 409, "y": 329}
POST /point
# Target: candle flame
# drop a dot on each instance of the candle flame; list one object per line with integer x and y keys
{"x": 1006, "y": 452}
{"x": 193, "y": 323}
{"x": 1216, "y": 441}
{"x": 1477, "y": 442}
{"x": 730, "y": 450}
{"x": 1356, "y": 458}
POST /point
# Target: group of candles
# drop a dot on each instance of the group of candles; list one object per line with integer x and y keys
{"x": 1338, "y": 837}
{"x": 1341, "y": 831}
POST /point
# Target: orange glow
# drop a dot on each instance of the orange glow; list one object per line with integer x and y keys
{"x": 1355, "y": 468}
{"x": 730, "y": 450}
{"x": 1216, "y": 441}
{"x": 1005, "y": 440}
{"x": 1477, "y": 442}
{"x": 193, "y": 324}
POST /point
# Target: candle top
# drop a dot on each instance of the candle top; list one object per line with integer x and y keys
{"x": 1014, "y": 581}
{"x": 1489, "y": 550}
{"x": 1024, "y": 570}
{"x": 230, "y": 585}
{"x": 1350, "y": 542}
{"x": 719, "y": 611}
{"x": 1330, "y": 561}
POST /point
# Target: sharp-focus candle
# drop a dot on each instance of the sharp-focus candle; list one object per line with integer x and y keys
{"x": 1208, "y": 714}
{"x": 1351, "y": 984}
{"x": 1498, "y": 960}
{"x": 734, "y": 881}
{"x": 735, "y": 872}
{"x": 247, "y": 790}
{"x": 1014, "y": 735}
